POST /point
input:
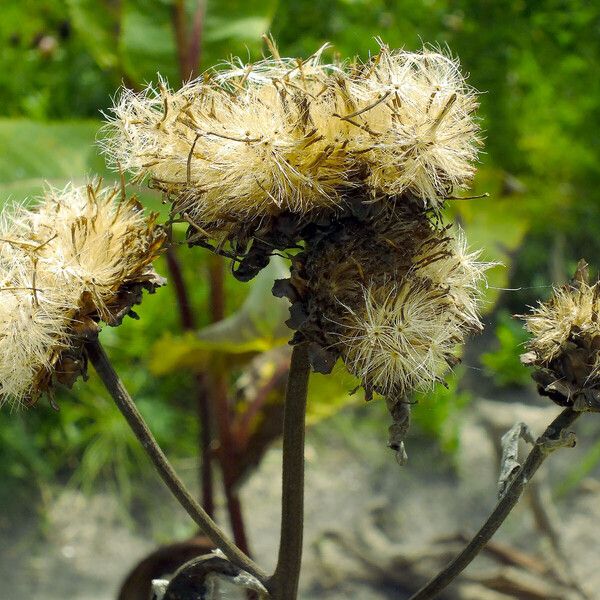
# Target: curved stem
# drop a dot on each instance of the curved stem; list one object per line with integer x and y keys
{"x": 125, "y": 404}
{"x": 283, "y": 585}
{"x": 549, "y": 440}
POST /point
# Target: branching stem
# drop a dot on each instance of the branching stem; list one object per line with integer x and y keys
{"x": 549, "y": 440}
{"x": 283, "y": 585}
{"x": 125, "y": 404}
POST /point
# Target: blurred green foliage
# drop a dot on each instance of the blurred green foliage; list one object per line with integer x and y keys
{"x": 503, "y": 362}
{"x": 62, "y": 62}
{"x": 439, "y": 410}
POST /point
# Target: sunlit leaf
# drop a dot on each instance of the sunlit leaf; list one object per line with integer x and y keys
{"x": 98, "y": 24}
{"x": 148, "y": 42}
{"x": 328, "y": 394}
{"x": 496, "y": 225}
{"x": 256, "y": 327}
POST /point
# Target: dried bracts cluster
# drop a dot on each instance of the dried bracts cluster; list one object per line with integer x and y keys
{"x": 80, "y": 255}
{"x": 348, "y": 163}
{"x": 392, "y": 294}
{"x": 564, "y": 347}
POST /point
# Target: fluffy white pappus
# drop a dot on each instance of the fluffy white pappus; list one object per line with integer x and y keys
{"x": 455, "y": 268}
{"x": 258, "y": 154}
{"x": 415, "y": 113}
{"x": 571, "y": 314}
{"x": 403, "y": 338}
{"x": 247, "y": 141}
{"x": 224, "y": 155}
{"x": 64, "y": 260}
{"x": 307, "y": 75}
{"x": 32, "y": 332}
{"x": 136, "y": 136}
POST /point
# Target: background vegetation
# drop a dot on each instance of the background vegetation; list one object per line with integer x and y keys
{"x": 62, "y": 62}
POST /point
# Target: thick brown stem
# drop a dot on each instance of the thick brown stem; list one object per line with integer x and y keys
{"x": 195, "y": 46}
{"x": 205, "y": 443}
{"x": 184, "y": 304}
{"x": 188, "y": 43}
{"x": 179, "y": 19}
{"x": 216, "y": 277}
{"x": 553, "y": 433}
{"x": 283, "y": 585}
{"x": 219, "y": 388}
{"x": 119, "y": 394}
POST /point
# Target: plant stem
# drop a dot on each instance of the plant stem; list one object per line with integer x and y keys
{"x": 195, "y": 45}
{"x": 125, "y": 404}
{"x": 188, "y": 43}
{"x": 204, "y": 443}
{"x": 283, "y": 585}
{"x": 184, "y": 304}
{"x": 514, "y": 491}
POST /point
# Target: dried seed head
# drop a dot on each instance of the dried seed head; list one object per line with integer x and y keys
{"x": 79, "y": 256}
{"x": 393, "y": 297}
{"x": 252, "y": 142}
{"x": 565, "y": 343}
{"x": 228, "y": 151}
{"x": 403, "y": 337}
{"x": 426, "y": 137}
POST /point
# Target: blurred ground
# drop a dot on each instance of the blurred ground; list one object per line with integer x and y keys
{"x": 88, "y": 548}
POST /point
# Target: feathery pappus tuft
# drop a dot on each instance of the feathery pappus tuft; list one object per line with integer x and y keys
{"x": 406, "y": 334}
{"x": 78, "y": 256}
{"x": 416, "y": 113}
{"x": 251, "y": 142}
{"x": 402, "y": 338}
{"x": 565, "y": 343}
{"x": 225, "y": 150}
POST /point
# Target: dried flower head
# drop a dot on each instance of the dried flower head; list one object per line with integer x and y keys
{"x": 80, "y": 255}
{"x": 235, "y": 146}
{"x": 393, "y": 297}
{"x": 565, "y": 343}
{"x": 248, "y": 144}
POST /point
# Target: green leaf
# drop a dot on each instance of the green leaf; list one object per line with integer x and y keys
{"x": 235, "y": 27}
{"x": 496, "y": 225}
{"x": 438, "y": 411}
{"x": 329, "y": 394}
{"x": 97, "y": 23}
{"x": 148, "y": 42}
{"x": 503, "y": 362}
{"x": 40, "y": 153}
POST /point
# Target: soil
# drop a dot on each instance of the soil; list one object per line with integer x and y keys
{"x": 88, "y": 546}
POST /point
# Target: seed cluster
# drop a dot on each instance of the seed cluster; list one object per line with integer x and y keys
{"x": 253, "y": 142}
{"x": 565, "y": 343}
{"x": 80, "y": 255}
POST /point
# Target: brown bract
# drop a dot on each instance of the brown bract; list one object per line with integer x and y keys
{"x": 391, "y": 293}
